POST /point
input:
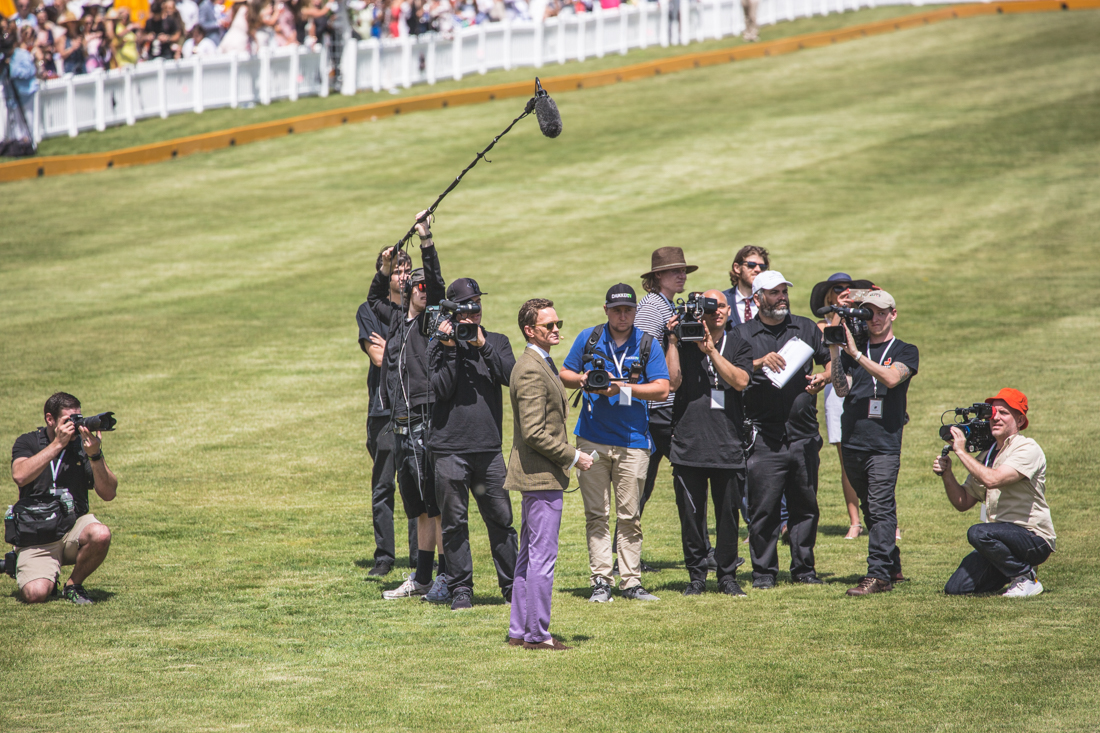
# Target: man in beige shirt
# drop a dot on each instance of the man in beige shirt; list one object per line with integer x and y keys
{"x": 1011, "y": 479}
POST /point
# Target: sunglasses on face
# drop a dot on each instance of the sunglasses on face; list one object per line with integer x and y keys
{"x": 553, "y": 325}
{"x": 420, "y": 286}
{"x": 754, "y": 265}
{"x": 838, "y": 289}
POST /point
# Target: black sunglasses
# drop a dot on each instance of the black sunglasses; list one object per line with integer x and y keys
{"x": 552, "y": 325}
{"x": 754, "y": 265}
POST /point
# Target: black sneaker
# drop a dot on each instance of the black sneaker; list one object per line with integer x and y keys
{"x": 712, "y": 564}
{"x": 764, "y": 582}
{"x": 696, "y": 588}
{"x": 462, "y": 600}
{"x": 638, "y": 593}
{"x": 77, "y": 595}
{"x": 730, "y": 587}
{"x": 382, "y": 567}
{"x": 810, "y": 579}
{"x": 647, "y": 568}
{"x": 615, "y": 567}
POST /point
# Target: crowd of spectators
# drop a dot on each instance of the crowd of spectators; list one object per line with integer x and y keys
{"x": 81, "y": 36}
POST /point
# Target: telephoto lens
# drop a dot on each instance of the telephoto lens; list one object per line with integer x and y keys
{"x": 103, "y": 422}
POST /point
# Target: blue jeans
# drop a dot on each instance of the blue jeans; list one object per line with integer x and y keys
{"x": 1002, "y": 551}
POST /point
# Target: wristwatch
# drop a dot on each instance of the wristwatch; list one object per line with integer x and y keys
{"x": 96, "y": 457}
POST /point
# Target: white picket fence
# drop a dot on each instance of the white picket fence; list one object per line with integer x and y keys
{"x": 73, "y": 104}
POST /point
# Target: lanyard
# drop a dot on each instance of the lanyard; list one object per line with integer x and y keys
{"x": 711, "y": 371}
{"x": 880, "y": 360}
{"x": 55, "y": 467}
{"x": 990, "y": 456}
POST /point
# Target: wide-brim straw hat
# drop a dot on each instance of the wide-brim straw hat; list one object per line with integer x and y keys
{"x": 668, "y": 258}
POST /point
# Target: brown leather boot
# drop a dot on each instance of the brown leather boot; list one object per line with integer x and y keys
{"x": 869, "y": 585}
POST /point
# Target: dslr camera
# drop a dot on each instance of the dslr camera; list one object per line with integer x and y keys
{"x": 7, "y": 564}
{"x": 103, "y": 422}
{"x": 448, "y": 310}
{"x": 973, "y": 421}
{"x": 691, "y": 327}
{"x": 856, "y": 321}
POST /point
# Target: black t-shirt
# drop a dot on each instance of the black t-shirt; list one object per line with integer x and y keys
{"x": 791, "y": 411}
{"x": 74, "y": 473}
{"x": 369, "y": 323}
{"x": 468, "y": 413}
{"x": 702, "y": 435}
{"x": 877, "y": 435}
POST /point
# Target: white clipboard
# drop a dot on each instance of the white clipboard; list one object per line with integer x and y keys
{"x": 796, "y": 353}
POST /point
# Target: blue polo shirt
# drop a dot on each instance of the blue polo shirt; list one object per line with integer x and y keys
{"x": 603, "y": 419}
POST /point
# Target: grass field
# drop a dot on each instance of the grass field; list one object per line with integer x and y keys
{"x": 210, "y": 303}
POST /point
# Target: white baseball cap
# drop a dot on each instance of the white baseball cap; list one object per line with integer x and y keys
{"x": 768, "y": 280}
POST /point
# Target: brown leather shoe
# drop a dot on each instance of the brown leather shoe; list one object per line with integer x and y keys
{"x": 869, "y": 585}
{"x": 551, "y": 644}
{"x": 513, "y": 641}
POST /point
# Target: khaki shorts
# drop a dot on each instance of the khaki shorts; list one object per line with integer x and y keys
{"x": 45, "y": 561}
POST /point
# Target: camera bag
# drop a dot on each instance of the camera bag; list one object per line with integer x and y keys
{"x": 37, "y": 522}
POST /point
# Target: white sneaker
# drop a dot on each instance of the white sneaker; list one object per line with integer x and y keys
{"x": 408, "y": 589}
{"x": 1022, "y": 587}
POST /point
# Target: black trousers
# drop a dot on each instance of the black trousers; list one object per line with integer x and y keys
{"x": 380, "y": 446}
{"x": 690, "y": 484}
{"x": 1002, "y": 551}
{"x": 414, "y": 470}
{"x": 778, "y": 469}
{"x": 874, "y": 478}
{"x": 456, "y": 477}
{"x": 660, "y": 429}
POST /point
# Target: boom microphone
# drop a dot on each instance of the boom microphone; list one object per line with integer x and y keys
{"x": 546, "y": 111}
{"x": 549, "y": 122}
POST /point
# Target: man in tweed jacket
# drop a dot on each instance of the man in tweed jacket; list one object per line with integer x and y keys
{"x": 539, "y": 468}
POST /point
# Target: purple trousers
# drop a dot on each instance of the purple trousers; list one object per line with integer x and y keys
{"x": 538, "y": 552}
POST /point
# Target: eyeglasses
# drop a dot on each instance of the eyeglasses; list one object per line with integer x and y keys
{"x": 420, "y": 286}
{"x": 552, "y": 325}
{"x": 754, "y": 265}
{"x": 838, "y": 289}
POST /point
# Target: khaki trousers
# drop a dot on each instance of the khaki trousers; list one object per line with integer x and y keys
{"x": 622, "y": 470}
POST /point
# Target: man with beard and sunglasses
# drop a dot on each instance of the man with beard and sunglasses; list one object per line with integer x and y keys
{"x": 406, "y": 391}
{"x": 785, "y": 442}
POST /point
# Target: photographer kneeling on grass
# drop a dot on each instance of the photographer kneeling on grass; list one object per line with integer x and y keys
{"x": 1010, "y": 478}
{"x": 54, "y": 470}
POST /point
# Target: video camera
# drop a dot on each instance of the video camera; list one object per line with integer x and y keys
{"x": 103, "y": 422}
{"x": 598, "y": 376}
{"x": 690, "y": 327}
{"x": 856, "y": 320}
{"x": 448, "y": 310}
{"x": 974, "y": 424}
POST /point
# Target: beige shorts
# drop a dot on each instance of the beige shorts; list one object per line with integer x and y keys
{"x": 45, "y": 561}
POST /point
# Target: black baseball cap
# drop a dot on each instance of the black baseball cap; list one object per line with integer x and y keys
{"x": 621, "y": 294}
{"x": 463, "y": 289}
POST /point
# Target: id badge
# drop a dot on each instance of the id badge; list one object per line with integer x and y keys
{"x": 718, "y": 399}
{"x": 624, "y": 396}
{"x": 874, "y": 409}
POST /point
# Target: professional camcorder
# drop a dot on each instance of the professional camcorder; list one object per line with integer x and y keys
{"x": 690, "y": 327}
{"x": 448, "y": 310}
{"x": 598, "y": 376}
{"x": 856, "y": 320}
{"x": 973, "y": 421}
{"x": 103, "y": 422}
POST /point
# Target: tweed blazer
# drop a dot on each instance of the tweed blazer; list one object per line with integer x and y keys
{"x": 541, "y": 452}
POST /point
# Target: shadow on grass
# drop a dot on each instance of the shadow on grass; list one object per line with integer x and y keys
{"x": 98, "y": 596}
{"x": 835, "y": 530}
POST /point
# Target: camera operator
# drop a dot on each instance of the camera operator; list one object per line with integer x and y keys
{"x": 54, "y": 468}
{"x": 784, "y": 452}
{"x": 1010, "y": 478}
{"x": 407, "y": 393}
{"x": 666, "y": 278}
{"x": 373, "y": 331}
{"x": 874, "y": 384}
{"x": 614, "y": 423}
{"x": 706, "y": 442}
{"x": 467, "y": 423}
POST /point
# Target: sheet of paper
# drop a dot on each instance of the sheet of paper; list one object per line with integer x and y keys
{"x": 796, "y": 353}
